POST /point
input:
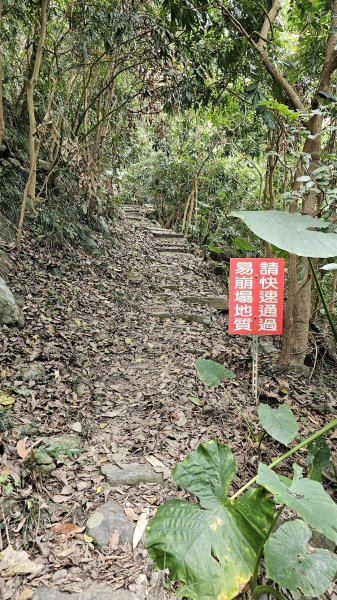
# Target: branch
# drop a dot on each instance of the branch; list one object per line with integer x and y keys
{"x": 260, "y": 47}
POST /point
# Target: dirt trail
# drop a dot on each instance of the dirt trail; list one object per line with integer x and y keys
{"x": 107, "y": 357}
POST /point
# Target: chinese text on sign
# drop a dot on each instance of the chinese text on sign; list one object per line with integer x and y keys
{"x": 256, "y": 296}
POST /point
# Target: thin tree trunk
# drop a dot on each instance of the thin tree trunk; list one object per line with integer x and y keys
{"x": 2, "y": 119}
{"x": 30, "y": 102}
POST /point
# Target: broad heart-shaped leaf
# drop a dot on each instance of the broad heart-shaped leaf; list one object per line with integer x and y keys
{"x": 209, "y": 547}
{"x": 293, "y": 565}
{"x": 291, "y": 232}
{"x": 308, "y": 498}
{"x": 212, "y": 373}
{"x": 280, "y": 423}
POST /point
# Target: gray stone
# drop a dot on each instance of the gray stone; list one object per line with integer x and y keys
{"x": 94, "y": 592}
{"x": 300, "y": 369}
{"x": 10, "y": 313}
{"x": 134, "y": 277}
{"x": 217, "y": 302}
{"x": 68, "y": 441}
{"x": 36, "y": 372}
{"x": 106, "y": 520}
{"x": 267, "y": 347}
{"x": 191, "y": 318}
{"x": 130, "y": 474}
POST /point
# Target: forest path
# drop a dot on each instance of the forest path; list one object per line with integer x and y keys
{"x": 105, "y": 364}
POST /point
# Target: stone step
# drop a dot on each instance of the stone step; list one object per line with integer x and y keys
{"x": 172, "y": 248}
{"x": 134, "y": 218}
{"x": 130, "y": 208}
{"x": 189, "y": 317}
{"x": 162, "y": 233}
{"x": 217, "y": 302}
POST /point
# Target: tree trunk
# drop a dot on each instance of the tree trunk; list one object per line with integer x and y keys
{"x": 2, "y": 120}
{"x": 30, "y": 102}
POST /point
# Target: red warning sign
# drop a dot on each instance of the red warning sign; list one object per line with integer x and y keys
{"x": 256, "y": 296}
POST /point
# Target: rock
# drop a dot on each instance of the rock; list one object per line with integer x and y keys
{"x": 300, "y": 370}
{"x": 267, "y": 347}
{"x": 131, "y": 474}
{"x": 134, "y": 277}
{"x": 162, "y": 315}
{"x": 68, "y": 442}
{"x": 6, "y": 264}
{"x": 10, "y": 313}
{"x": 97, "y": 591}
{"x": 36, "y": 372}
{"x": 77, "y": 426}
{"x": 217, "y": 302}
{"x": 191, "y": 318}
{"x": 106, "y": 520}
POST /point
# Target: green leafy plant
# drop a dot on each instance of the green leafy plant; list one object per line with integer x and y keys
{"x": 279, "y": 423}
{"x": 211, "y": 372}
{"x": 214, "y": 547}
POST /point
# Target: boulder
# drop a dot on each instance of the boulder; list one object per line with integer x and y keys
{"x": 10, "y": 313}
{"x": 107, "y": 520}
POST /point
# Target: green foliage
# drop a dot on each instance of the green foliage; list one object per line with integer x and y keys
{"x": 318, "y": 458}
{"x": 211, "y": 548}
{"x": 291, "y": 564}
{"x": 293, "y": 232}
{"x": 308, "y": 498}
{"x": 212, "y": 373}
{"x": 214, "y": 548}
{"x": 280, "y": 424}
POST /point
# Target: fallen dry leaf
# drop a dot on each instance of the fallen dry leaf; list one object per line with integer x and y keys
{"x": 13, "y": 562}
{"x": 21, "y": 448}
{"x": 140, "y": 528}
{"x": 67, "y": 529}
{"x": 26, "y": 594}
{"x": 114, "y": 540}
{"x": 131, "y": 514}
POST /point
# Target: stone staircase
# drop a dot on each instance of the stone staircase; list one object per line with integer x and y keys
{"x": 167, "y": 241}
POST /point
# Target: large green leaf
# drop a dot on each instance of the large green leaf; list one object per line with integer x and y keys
{"x": 292, "y": 564}
{"x": 280, "y": 423}
{"x": 209, "y": 547}
{"x": 212, "y": 373}
{"x": 308, "y": 498}
{"x": 319, "y": 457}
{"x": 292, "y": 232}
